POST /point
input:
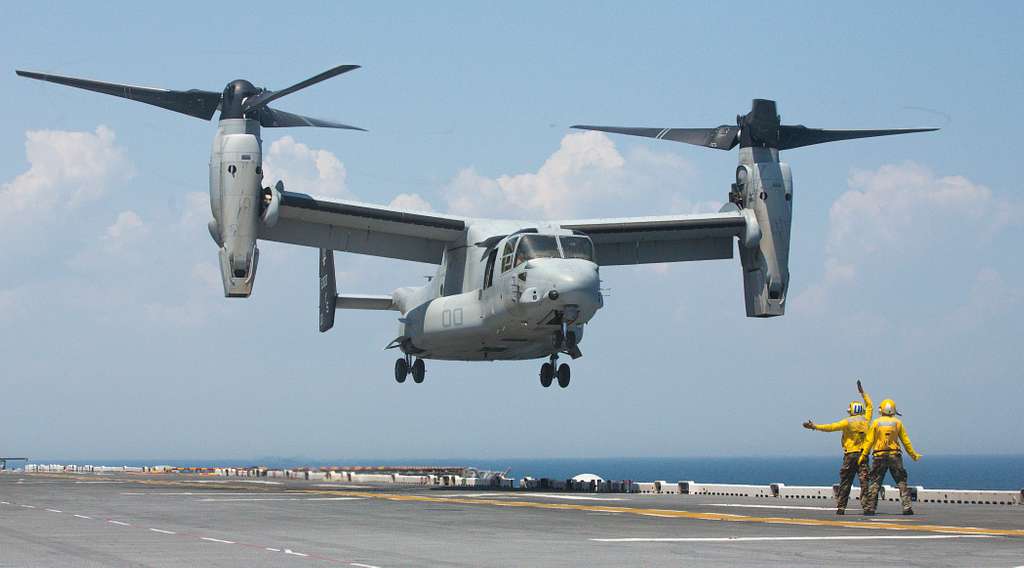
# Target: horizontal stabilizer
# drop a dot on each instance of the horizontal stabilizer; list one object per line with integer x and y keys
{"x": 365, "y": 302}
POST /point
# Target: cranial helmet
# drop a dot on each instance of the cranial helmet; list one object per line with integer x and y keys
{"x": 888, "y": 407}
{"x": 855, "y": 408}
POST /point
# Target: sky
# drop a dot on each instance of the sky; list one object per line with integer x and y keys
{"x": 906, "y": 270}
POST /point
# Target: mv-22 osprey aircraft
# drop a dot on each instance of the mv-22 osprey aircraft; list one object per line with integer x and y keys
{"x": 504, "y": 289}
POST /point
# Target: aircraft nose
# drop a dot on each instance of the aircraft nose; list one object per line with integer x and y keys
{"x": 573, "y": 282}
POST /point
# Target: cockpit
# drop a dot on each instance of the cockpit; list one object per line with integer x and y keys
{"x": 531, "y": 246}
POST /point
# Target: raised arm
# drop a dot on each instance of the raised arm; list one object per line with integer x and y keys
{"x": 869, "y": 407}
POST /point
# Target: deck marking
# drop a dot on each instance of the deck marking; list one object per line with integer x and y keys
{"x": 4, "y": 503}
{"x": 786, "y": 538}
{"x": 572, "y": 497}
{"x": 28, "y": 506}
{"x": 119, "y": 523}
{"x": 83, "y": 517}
{"x": 293, "y": 553}
{"x": 218, "y": 540}
{"x": 212, "y": 500}
{"x": 752, "y": 506}
{"x": 677, "y": 513}
{"x": 55, "y": 510}
{"x": 162, "y": 531}
{"x": 273, "y": 549}
{"x": 221, "y": 481}
{"x": 372, "y": 566}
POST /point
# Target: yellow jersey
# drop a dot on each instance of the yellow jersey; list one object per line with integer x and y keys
{"x": 855, "y": 428}
{"x": 885, "y": 435}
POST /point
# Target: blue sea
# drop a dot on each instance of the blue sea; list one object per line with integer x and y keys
{"x": 933, "y": 471}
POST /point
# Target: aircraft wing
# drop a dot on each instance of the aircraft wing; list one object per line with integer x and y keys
{"x": 667, "y": 238}
{"x": 363, "y": 228}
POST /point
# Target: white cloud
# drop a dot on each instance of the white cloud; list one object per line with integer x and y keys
{"x": 65, "y": 169}
{"x": 586, "y": 174}
{"x": 127, "y": 226}
{"x": 894, "y": 214}
{"x": 901, "y": 205}
{"x": 411, "y": 202}
{"x": 305, "y": 170}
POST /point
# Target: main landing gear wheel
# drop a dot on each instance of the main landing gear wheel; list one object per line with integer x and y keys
{"x": 563, "y": 375}
{"x": 419, "y": 371}
{"x": 547, "y": 373}
{"x": 401, "y": 370}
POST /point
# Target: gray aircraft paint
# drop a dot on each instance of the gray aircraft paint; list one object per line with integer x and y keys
{"x": 537, "y": 308}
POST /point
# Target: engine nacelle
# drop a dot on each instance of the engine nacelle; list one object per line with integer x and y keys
{"x": 765, "y": 186}
{"x": 236, "y": 195}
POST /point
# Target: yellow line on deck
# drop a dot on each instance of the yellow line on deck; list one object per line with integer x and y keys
{"x": 667, "y": 513}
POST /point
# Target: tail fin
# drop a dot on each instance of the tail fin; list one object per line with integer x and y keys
{"x": 328, "y": 290}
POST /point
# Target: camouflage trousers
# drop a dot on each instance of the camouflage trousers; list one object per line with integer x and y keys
{"x": 893, "y": 463}
{"x": 846, "y": 473}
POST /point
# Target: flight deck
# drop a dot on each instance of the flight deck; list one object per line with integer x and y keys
{"x": 142, "y": 519}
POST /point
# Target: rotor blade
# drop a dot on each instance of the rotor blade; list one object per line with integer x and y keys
{"x": 200, "y": 104}
{"x": 723, "y": 138}
{"x": 271, "y": 118}
{"x": 795, "y": 136}
{"x": 266, "y": 97}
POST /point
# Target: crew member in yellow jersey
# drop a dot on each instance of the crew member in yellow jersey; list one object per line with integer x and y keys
{"x": 855, "y": 429}
{"x": 883, "y": 442}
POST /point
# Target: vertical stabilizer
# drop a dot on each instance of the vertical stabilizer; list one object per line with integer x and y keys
{"x": 328, "y": 290}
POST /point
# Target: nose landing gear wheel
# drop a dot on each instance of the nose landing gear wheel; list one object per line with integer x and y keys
{"x": 419, "y": 371}
{"x": 401, "y": 370}
{"x": 563, "y": 375}
{"x": 547, "y": 373}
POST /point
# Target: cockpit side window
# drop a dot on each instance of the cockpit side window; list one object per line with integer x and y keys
{"x": 577, "y": 247}
{"x": 536, "y": 246}
{"x": 489, "y": 268}
{"x": 506, "y": 255}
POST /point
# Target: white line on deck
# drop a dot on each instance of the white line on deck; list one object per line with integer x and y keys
{"x": 162, "y": 531}
{"x": 218, "y": 540}
{"x": 235, "y": 481}
{"x": 282, "y": 499}
{"x": 372, "y": 566}
{"x": 293, "y": 553}
{"x": 273, "y": 549}
{"x": 163, "y": 493}
{"x": 4, "y": 503}
{"x": 28, "y": 506}
{"x": 83, "y": 517}
{"x": 785, "y": 538}
{"x": 120, "y": 523}
{"x": 55, "y": 510}
{"x": 571, "y": 497}
{"x": 751, "y": 506}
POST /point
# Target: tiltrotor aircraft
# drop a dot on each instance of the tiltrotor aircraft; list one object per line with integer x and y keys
{"x": 504, "y": 289}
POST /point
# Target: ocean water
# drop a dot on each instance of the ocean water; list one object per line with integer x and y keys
{"x": 933, "y": 471}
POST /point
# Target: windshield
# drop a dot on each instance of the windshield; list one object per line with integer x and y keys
{"x": 577, "y": 247}
{"x": 536, "y": 246}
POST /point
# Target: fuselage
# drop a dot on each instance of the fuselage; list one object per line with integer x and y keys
{"x": 520, "y": 295}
